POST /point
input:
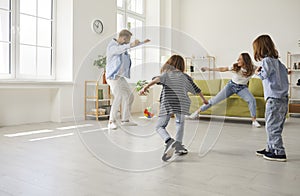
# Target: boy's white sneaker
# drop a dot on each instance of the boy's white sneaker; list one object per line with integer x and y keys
{"x": 256, "y": 124}
{"x": 112, "y": 126}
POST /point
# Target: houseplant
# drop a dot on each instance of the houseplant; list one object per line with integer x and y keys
{"x": 100, "y": 62}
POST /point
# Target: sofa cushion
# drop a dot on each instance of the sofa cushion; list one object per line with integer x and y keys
{"x": 256, "y": 87}
{"x": 208, "y": 87}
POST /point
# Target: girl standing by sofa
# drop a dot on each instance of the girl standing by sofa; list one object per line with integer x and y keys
{"x": 275, "y": 82}
{"x": 174, "y": 99}
{"x": 243, "y": 70}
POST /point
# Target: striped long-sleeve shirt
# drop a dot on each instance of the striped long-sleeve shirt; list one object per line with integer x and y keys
{"x": 174, "y": 97}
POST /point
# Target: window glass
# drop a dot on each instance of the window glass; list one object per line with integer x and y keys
{"x": 5, "y": 25}
{"x": 120, "y": 3}
{"x": 44, "y": 33}
{"x": 4, "y": 4}
{"x": 45, "y": 9}
{"x": 27, "y": 60}
{"x": 4, "y": 58}
{"x": 27, "y": 29}
{"x": 43, "y": 61}
{"x": 28, "y": 7}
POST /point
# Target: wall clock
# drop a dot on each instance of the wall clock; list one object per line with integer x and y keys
{"x": 97, "y": 26}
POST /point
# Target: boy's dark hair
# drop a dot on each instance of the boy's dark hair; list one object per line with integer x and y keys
{"x": 248, "y": 63}
{"x": 263, "y": 46}
{"x": 125, "y": 33}
{"x": 176, "y": 61}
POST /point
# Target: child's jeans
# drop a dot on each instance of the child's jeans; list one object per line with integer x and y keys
{"x": 276, "y": 110}
{"x": 230, "y": 89}
{"x": 163, "y": 122}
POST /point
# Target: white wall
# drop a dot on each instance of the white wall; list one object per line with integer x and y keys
{"x": 16, "y": 110}
{"x": 227, "y": 28}
{"x": 85, "y": 41}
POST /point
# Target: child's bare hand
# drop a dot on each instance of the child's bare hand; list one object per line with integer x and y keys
{"x": 258, "y": 69}
{"x": 203, "y": 69}
{"x": 146, "y": 40}
{"x": 205, "y": 101}
{"x": 143, "y": 91}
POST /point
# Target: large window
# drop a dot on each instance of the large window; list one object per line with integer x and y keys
{"x": 131, "y": 16}
{"x": 26, "y": 40}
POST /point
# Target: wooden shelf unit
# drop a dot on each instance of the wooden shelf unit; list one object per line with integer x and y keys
{"x": 92, "y": 97}
{"x": 293, "y": 64}
{"x": 198, "y": 63}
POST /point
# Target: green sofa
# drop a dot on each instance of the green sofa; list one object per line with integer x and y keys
{"x": 234, "y": 106}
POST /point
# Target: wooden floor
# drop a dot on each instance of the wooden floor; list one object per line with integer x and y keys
{"x": 60, "y": 159}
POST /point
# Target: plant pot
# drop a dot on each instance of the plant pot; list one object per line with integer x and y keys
{"x": 143, "y": 98}
{"x": 104, "y": 78}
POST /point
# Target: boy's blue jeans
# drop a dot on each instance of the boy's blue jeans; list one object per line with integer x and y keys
{"x": 276, "y": 110}
{"x": 230, "y": 89}
{"x": 163, "y": 122}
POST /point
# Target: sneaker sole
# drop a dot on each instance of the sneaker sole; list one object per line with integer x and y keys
{"x": 274, "y": 159}
{"x": 256, "y": 126}
{"x": 258, "y": 154}
{"x": 169, "y": 152}
{"x": 181, "y": 153}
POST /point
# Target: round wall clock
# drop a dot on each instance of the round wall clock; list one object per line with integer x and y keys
{"x": 97, "y": 26}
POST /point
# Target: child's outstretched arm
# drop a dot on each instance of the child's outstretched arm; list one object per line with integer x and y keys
{"x": 195, "y": 114}
{"x": 203, "y": 98}
{"x": 154, "y": 81}
{"x": 220, "y": 69}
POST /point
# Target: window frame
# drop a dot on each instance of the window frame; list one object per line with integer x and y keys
{"x": 141, "y": 17}
{"x": 15, "y": 66}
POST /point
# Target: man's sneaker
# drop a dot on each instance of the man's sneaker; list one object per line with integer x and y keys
{"x": 180, "y": 149}
{"x": 261, "y": 152}
{"x": 112, "y": 125}
{"x": 256, "y": 124}
{"x": 169, "y": 151}
{"x": 274, "y": 157}
{"x": 128, "y": 123}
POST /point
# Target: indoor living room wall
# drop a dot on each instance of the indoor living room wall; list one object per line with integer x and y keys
{"x": 227, "y": 28}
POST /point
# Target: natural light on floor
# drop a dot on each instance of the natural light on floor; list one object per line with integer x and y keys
{"x": 27, "y": 133}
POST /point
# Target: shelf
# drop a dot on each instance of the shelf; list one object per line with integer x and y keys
{"x": 94, "y": 115}
{"x": 95, "y": 99}
{"x": 294, "y": 86}
{"x": 292, "y": 99}
{"x": 295, "y": 70}
{"x": 94, "y": 84}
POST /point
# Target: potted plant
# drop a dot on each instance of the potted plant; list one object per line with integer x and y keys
{"x": 100, "y": 62}
{"x": 139, "y": 86}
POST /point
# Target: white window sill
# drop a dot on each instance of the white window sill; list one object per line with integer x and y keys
{"x": 33, "y": 84}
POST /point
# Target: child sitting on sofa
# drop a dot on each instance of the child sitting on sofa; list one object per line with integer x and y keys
{"x": 242, "y": 71}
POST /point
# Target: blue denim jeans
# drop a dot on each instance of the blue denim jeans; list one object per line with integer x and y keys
{"x": 163, "y": 122}
{"x": 230, "y": 89}
{"x": 276, "y": 110}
